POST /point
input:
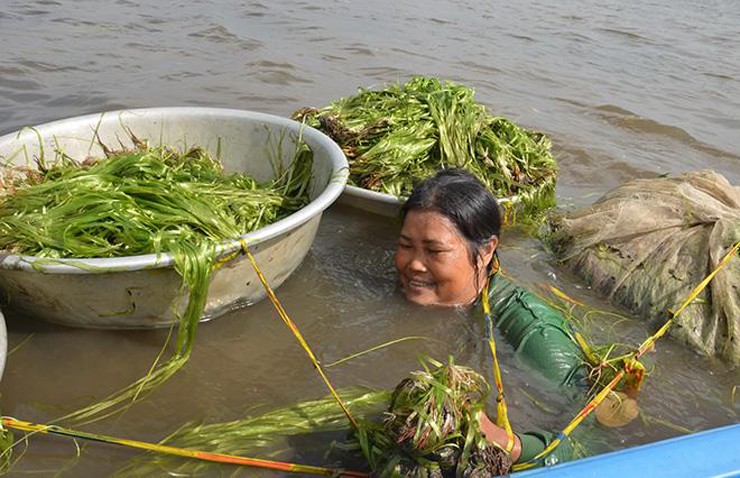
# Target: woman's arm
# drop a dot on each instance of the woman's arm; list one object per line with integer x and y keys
{"x": 497, "y": 435}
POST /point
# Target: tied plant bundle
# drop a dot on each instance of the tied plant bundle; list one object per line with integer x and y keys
{"x": 431, "y": 427}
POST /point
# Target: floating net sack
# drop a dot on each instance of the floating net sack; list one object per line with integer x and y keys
{"x": 647, "y": 243}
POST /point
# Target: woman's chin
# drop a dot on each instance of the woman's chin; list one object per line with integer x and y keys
{"x": 426, "y": 298}
{"x": 421, "y": 297}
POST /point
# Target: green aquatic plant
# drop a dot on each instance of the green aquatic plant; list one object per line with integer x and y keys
{"x": 148, "y": 200}
{"x": 431, "y": 427}
{"x": 7, "y": 441}
{"x": 144, "y": 201}
{"x": 427, "y": 427}
{"x": 602, "y": 358}
{"x": 258, "y": 433}
{"x": 397, "y": 136}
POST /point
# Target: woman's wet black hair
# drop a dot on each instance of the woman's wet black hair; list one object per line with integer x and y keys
{"x": 464, "y": 200}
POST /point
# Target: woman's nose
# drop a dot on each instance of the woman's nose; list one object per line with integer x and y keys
{"x": 417, "y": 265}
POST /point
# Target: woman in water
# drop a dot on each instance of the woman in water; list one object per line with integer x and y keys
{"x": 446, "y": 256}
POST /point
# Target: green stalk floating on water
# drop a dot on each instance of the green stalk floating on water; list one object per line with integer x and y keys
{"x": 147, "y": 200}
{"x": 256, "y": 434}
{"x": 404, "y": 133}
{"x": 428, "y": 429}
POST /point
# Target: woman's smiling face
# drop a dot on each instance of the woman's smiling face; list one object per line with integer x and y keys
{"x": 434, "y": 263}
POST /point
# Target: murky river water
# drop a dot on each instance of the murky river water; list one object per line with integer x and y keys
{"x": 625, "y": 89}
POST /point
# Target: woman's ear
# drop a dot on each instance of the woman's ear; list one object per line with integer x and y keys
{"x": 486, "y": 252}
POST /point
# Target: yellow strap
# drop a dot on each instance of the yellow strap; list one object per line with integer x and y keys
{"x": 586, "y": 411}
{"x": 630, "y": 361}
{"x": 291, "y": 325}
{"x": 502, "y": 415}
{"x": 183, "y": 452}
{"x": 647, "y": 345}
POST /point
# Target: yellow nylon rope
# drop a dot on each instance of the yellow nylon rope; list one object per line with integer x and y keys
{"x": 645, "y": 346}
{"x": 182, "y": 452}
{"x": 291, "y": 325}
{"x": 502, "y": 415}
{"x": 694, "y": 293}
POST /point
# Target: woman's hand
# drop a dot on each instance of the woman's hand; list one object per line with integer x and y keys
{"x": 496, "y": 434}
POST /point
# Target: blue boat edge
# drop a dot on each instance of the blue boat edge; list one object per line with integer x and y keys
{"x": 710, "y": 453}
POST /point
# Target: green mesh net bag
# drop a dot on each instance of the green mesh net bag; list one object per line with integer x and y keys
{"x": 647, "y": 243}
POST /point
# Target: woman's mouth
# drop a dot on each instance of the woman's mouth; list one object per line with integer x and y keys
{"x": 420, "y": 284}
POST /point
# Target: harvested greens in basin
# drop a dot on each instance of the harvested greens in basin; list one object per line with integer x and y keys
{"x": 151, "y": 235}
{"x": 141, "y": 201}
{"x": 396, "y": 136}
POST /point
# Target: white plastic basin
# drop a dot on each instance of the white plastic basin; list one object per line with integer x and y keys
{"x": 381, "y": 203}
{"x": 140, "y": 291}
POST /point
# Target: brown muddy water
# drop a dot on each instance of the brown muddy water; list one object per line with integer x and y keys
{"x": 625, "y": 89}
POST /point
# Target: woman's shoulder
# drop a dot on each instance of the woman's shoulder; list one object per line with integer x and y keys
{"x": 538, "y": 332}
{"x": 512, "y": 300}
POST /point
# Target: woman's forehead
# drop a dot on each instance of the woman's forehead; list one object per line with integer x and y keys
{"x": 429, "y": 226}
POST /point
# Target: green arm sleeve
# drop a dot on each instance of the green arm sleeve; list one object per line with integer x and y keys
{"x": 542, "y": 338}
{"x": 534, "y": 442}
{"x": 538, "y": 333}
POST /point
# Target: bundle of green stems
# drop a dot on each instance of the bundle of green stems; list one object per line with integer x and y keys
{"x": 147, "y": 200}
{"x": 397, "y": 136}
